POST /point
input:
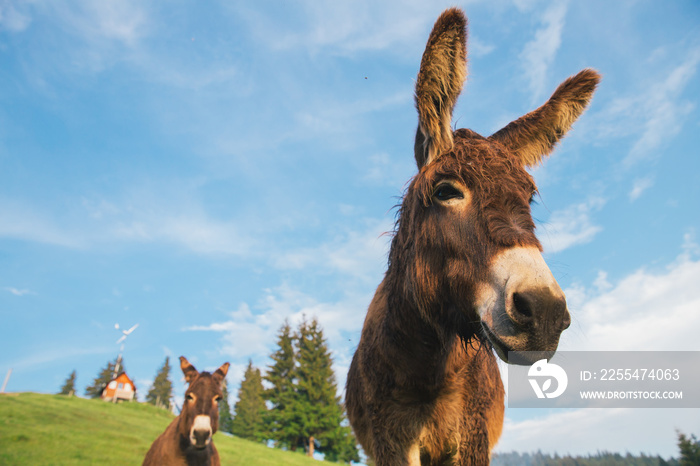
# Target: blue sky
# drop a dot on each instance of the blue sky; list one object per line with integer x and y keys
{"x": 210, "y": 170}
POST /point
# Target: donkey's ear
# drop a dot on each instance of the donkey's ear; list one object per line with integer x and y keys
{"x": 188, "y": 369}
{"x": 534, "y": 135}
{"x": 443, "y": 70}
{"x": 221, "y": 372}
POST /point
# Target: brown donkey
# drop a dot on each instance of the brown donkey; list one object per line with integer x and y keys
{"x": 188, "y": 439}
{"x": 465, "y": 275}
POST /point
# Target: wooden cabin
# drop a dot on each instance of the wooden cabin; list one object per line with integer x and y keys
{"x": 121, "y": 388}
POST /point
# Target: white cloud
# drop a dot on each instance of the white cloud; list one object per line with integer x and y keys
{"x": 539, "y": 53}
{"x": 640, "y": 185}
{"x": 569, "y": 227}
{"x": 601, "y": 282}
{"x": 646, "y": 310}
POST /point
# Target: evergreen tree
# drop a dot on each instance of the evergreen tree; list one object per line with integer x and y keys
{"x": 161, "y": 391}
{"x": 279, "y": 423}
{"x": 250, "y": 408}
{"x": 318, "y": 411}
{"x": 69, "y": 385}
{"x": 690, "y": 450}
{"x": 102, "y": 379}
{"x": 225, "y": 419}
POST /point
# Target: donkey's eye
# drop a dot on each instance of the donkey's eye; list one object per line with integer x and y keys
{"x": 189, "y": 397}
{"x": 217, "y": 398}
{"x": 446, "y": 191}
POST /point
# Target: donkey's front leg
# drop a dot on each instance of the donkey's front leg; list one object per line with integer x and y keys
{"x": 396, "y": 432}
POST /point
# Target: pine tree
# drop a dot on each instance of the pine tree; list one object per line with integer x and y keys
{"x": 225, "y": 419}
{"x": 690, "y": 449}
{"x": 103, "y": 378}
{"x": 279, "y": 423}
{"x": 161, "y": 391}
{"x": 250, "y": 408}
{"x": 318, "y": 411}
{"x": 69, "y": 385}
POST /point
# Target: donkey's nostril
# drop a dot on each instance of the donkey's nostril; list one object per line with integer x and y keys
{"x": 522, "y": 310}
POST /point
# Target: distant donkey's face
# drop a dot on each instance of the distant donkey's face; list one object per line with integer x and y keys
{"x": 466, "y": 232}
{"x": 200, "y": 411}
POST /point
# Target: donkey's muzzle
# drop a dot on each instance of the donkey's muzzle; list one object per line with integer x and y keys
{"x": 522, "y": 308}
{"x": 201, "y": 432}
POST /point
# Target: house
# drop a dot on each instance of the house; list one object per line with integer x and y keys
{"x": 119, "y": 388}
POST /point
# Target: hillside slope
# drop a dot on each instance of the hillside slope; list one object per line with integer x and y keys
{"x": 40, "y": 429}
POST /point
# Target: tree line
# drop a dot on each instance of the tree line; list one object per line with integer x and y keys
{"x": 688, "y": 445}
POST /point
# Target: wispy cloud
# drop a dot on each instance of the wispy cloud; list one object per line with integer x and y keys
{"x": 142, "y": 217}
{"x": 89, "y": 36}
{"x": 357, "y": 254}
{"x": 11, "y": 19}
{"x": 24, "y": 222}
{"x": 477, "y": 48}
{"x": 539, "y": 53}
{"x": 663, "y": 109}
{"x": 41, "y": 358}
{"x": 655, "y": 111}
{"x": 640, "y": 185}
{"x": 346, "y": 27}
{"x": 571, "y": 226}
{"x": 17, "y": 291}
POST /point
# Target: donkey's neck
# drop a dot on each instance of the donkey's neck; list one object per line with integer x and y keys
{"x": 423, "y": 351}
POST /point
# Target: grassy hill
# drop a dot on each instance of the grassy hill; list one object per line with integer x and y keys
{"x": 57, "y": 430}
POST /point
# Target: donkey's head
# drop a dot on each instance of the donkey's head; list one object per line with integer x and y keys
{"x": 465, "y": 249}
{"x": 199, "y": 418}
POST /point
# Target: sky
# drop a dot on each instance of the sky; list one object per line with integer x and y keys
{"x": 210, "y": 170}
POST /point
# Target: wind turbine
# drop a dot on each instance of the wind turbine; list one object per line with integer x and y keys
{"x": 121, "y": 340}
{"x": 125, "y": 332}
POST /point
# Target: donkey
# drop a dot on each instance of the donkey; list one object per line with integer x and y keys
{"x": 465, "y": 275}
{"x": 188, "y": 439}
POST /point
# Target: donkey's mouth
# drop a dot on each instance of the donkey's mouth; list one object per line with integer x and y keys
{"x": 199, "y": 444}
{"x": 512, "y": 355}
{"x": 501, "y": 348}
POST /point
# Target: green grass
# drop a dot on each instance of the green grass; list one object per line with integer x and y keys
{"x": 57, "y": 430}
